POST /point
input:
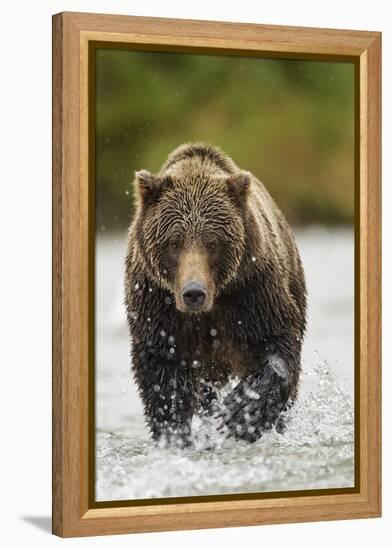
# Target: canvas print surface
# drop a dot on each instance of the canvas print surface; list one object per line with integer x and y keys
{"x": 224, "y": 274}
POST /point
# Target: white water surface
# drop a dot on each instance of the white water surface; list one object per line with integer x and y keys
{"x": 317, "y": 448}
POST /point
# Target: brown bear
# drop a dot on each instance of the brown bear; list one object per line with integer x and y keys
{"x": 214, "y": 290}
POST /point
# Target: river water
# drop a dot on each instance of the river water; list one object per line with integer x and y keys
{"x": 317, "y": 448}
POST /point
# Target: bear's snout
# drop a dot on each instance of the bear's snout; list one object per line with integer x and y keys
{"x": 193, "y": 295}
{"x": 194, "y": 285}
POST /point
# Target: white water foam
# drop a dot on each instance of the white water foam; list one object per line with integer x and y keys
{"x": 315, "y": 451}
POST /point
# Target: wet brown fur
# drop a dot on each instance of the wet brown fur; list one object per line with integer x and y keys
{"x": 256, "y": 298}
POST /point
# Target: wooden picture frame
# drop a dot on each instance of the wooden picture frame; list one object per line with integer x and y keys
{"x": 74, "y": 513}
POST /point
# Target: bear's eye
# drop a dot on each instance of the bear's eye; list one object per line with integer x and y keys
{"x": 175, "y": 245}
{"x": 211, "y": 246}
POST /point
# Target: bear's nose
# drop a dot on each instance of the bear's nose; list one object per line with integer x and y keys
{"x": 193, "y": 294}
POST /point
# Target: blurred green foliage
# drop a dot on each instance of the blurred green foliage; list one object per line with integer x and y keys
{"x": 289, "y": 122}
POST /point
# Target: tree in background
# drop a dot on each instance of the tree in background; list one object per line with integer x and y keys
{"x": 289, "y": 122}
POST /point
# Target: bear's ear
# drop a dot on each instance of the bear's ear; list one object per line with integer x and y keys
{"x": 238, "y": 186}
{"x": 148, "y": 186}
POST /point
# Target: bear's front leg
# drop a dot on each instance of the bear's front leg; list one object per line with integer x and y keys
{"x": 166, "y": 390}
{"x": 256, "y": 403}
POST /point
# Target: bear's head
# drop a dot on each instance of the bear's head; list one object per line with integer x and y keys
{"x": 191, "y": 232}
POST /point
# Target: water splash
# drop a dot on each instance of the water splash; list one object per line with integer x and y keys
{"x": 316, "y": 451}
